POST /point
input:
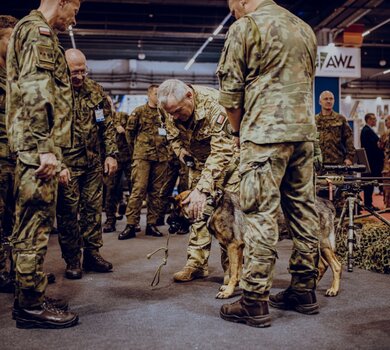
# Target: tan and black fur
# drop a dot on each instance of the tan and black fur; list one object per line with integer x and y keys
{"x": 227, "y": 224}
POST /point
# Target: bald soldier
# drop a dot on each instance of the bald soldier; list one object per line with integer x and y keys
{"x": 198, "y": 128}
{"x": 336, "y": 138}
{"x": 39, "y": 123}
{"x": 80, "y": 196}
{"x": 266, "y": 74}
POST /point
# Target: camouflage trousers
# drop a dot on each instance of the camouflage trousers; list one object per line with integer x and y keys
{"x": 147, "y": 178}
{"x": 198, "y": 249}
{"x": 79, "y": 212}
{"x": 7, "y": 206}
{"x": 274, "y": 175}
{"x": 34, "y": 219}
{"x": 114, "y": 192}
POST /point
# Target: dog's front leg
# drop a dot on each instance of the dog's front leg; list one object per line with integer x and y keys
{"x": 233, "y": 255}
{"x": 336, "y": 268}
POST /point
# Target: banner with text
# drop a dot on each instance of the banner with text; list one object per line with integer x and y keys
{"x": 342, "y": 62}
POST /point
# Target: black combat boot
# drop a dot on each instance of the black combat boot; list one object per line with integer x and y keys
{"x": 253, "y": 313}
{"x": 7, "y": 283}
{"x": 93, "y": 261}
{"x": 152, "y": 230}
{"x": 109, "y": 225}
{"x": 48, "y": 302}
{"x": 304, "y": 302}
{"x": 45, "y": 316}
{"x": 73, "y": 269}
{"x": 127, "y": 233}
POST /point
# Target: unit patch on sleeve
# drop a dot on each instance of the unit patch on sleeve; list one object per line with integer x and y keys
{"x": 44, "y": 31}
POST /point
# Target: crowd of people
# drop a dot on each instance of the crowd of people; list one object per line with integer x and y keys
{"x": 61, "y": 141}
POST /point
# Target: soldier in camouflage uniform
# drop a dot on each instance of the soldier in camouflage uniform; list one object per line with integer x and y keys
{"x": 125, "y": 153}
{"x": 266, "y": 74}
{"x": 146, "y": 131}
{"x": 7, "y": 162}
{"x": 197, "y": 127}
{"x": 39, "y": 120}
{"x": 336, "y": 138}
{"x": 93, "y": 137}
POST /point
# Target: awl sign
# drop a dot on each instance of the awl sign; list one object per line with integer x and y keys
{"x": 342, "y": 62}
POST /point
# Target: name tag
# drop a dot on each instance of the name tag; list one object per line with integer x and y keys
{"x": 162, "y": 132}
{"x": 99, "y": 115}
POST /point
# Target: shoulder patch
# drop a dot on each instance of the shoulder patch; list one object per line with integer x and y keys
{"x": 44, "y": 31}
{"x": 45, "y": 56}
{"x": 221, "y": 119}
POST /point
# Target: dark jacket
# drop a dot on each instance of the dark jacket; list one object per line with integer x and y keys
{"x": 369, "y": 140}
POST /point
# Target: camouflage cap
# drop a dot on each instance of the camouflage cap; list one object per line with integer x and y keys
{"x": 7, "y": 21}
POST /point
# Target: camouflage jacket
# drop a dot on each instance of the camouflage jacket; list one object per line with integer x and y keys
{"x": 125, "y": 151}
{"x": 93, "y": 131}
{"x": 207, "y": 138}
{"x": 39, "y": 92}
{"x": 4, "y": 147}
{"x": 146, "y": 131}
{"x": 267, "y": 69}
{"x": 336, "y": 139}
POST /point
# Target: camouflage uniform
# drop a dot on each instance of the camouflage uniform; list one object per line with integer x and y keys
{"x": 7, "y": 172}
{"x": 150, "y": 160}
{"x": 272, "y": 84}
{"x": 93, "y": 137}
{"x": 39, "y": 119}
{"x": 336, "y": 139}
{"x": 208, "y": 140}
{"x": 124, "y": 157}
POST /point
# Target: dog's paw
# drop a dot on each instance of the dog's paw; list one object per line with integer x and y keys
{"x": 223, "y": 295}
{"x": 223, "y": 288}
{"x": 331, "y": 292}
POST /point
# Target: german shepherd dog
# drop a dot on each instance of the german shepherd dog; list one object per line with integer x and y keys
{"x": 228, "y": 226}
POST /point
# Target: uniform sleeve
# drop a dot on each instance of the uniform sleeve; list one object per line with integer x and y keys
{"x": 131, "y": 128}
{"x": 221, "y": 154}
{"x": 109, "y": 133}
{"x": 232, "y": 67}
{"x": 36, "y": 62}
{"x": 348, "y": 139}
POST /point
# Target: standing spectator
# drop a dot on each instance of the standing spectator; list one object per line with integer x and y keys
{"x": 385, "y": 146}
{"x": 370, "y": 142}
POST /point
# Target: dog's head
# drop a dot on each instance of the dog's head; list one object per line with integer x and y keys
{"x": 178, "y": 220}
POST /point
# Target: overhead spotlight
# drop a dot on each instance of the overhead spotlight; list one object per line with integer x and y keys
{"x": 382, "y": 62}
{"x": 141, "y": 56}
{"x": 151, "y": 15}
{"x": 386, "y": 72}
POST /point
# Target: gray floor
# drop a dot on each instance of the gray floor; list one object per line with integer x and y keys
{"x": 120, "y": 310}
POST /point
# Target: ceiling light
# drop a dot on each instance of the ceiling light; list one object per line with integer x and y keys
{"x": 366, "y": 33}
{"x": 386, "y": 72}
{"x": 141, "y": 56}
{"x": 382, "y": 62}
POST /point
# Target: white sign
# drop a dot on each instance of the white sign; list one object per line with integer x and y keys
{"x": 343, "y": 62}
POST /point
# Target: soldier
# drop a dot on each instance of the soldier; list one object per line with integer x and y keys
{"x": 7, "y": 161}
{"x": 39, "y": 119}
{"x": 266, "y": 74}
{"x": 114, "y": 193}
{"x": 336, "y": 139}
{"x": 93, "y": 135}
{"x": 197, "y": 128}
{"x": 146, "y": 131}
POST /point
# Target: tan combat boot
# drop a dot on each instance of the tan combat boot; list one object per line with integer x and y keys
{"x": 189, "y": 273}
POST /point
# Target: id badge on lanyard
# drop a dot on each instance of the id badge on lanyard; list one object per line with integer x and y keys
{"x": 99, "y": 115}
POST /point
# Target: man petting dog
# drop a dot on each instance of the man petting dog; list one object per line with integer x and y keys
{"x": 266, "y": 76}
{"x": 197, "y": 129}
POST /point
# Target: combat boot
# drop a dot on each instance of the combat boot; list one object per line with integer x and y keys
{"x": 93, "y": 261}
{"x": 7, "y": 283}
{"x": 127, "y": 233}
{"x": 304, "y": 302}
{"x": 109, "y": 225}
{"x": 73, "y": 269}
{"x": 152, "y": 230}
{"x": 189, "y": 273}
{"x": 45, "y": 316}
{"x": 48, "y": 302}
{"x": 253, "y": 313}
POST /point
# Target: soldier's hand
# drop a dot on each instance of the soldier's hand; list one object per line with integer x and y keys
{"x": 196, "y": 202}
{"x": 237, "y": 141}
{"x": 347, "y": 162}
{"x": 182, "y": 154}
{"x": 48, "y": 166}
{"x": 64, "y": 177}
{"x": 120, "y": 129}
{"x": 110, "y": 166}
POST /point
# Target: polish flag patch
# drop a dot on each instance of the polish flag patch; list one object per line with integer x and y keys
{"x": 221, "y": 119}
{"x": 44, "y": 31}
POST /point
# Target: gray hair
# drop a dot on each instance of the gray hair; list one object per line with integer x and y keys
{"x": 171, "y": 88}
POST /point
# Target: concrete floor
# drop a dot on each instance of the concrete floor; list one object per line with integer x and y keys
{"x": 120, "y": 310}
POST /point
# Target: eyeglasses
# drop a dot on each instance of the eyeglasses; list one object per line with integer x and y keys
{"x": 81, "y": 72}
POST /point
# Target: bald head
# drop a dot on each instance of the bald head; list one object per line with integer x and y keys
{"x": 77, "y": 63}
{"x": 240, "y": 8}
{"x": 326, "y": 102}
